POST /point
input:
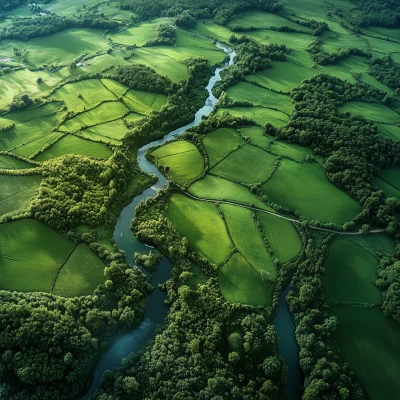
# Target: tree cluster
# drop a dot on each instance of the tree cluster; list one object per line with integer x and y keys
{"x": 166, "y": 35}
{"x": 384, "y": 13}
{"x": 385, "y": 71}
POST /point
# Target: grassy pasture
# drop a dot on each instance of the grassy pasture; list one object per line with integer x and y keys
{"x": 103, "y": 113}
{"x": 210, "y": 29}
{"x": 82, "y": 95}
{"x": 213, "y": 187}
{"x": 8, "y": 162}
{"x": 336, "y": 71}
{"x": 247, "y": 239}
{"x": 114, "y": 129}
{"x": 183, "y": 159}
{"x": 144, "y": 102}
{"x": 296, "y": 41}
{"x": 376, "y": 243}
{"x": 219, "y": 143}
{"x": 258, "y": 114}
{"x": 249, "y": 164}
{"x": 240, "y": 283}
{"x": 373, "y": 111}
{"x": 344, "y": 41}
{"x": 369, "y": 341}
{"x": 350, "y": 273}
{"x": 294, "y": 151}
{"x": 389, "y": 181}
{"x": 81, "y": 274}
{"x": 17, "y": 191}
{"x": 31, "y": 254}
{"x": 201, "y": 224}
{"x": 383, "y": 46}
{"x": 91, "y": 135}
{"x": 71, "y": 144}
{"x": 255, "y": 134}
{"x": 244, "y": 91}
{"x": 390, "y": 190}
{"x": 113, "y": 86}
{"x": 281, "y": 235}
{"x": 370, "y": 80}
{"x": 30, "y": 148}
{"x": 391, "y": 131}
{"x": 67, "y": 7}
{"x": 304, "y": 187}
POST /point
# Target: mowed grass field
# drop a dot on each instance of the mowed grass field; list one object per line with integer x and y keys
{"x": 201, "y": 224}
{"x": 294, "y": 151}
{"x": 350, "y": 274}
{"x": 256, "y": 136}
{"x": 16, "y": 191}
{"x": 259, "y": 115}
{"x": 183, "y": 160}
{"x": 373, "y": 111}
{"x": 304, "y": 188}
{"x": 81, "y": 274}
{"x": 9, "y": 162}
{"x": 370, "y": 343}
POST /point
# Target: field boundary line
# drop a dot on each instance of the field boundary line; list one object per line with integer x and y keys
{"x": 61, "y": 267}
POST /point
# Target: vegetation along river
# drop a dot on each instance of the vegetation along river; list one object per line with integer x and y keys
{"x": 156, "y": 311}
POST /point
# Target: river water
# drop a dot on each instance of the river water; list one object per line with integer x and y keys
{"x": 156, "y": 311}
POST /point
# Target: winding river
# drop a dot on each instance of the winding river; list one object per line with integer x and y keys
{"x": 156, "y": 311}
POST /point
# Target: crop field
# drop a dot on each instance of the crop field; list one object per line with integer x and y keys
{"x": 369, "y": 341}
{"x": 373, "y": 111}
{"x": 183, "y": 160}
{"x": 71, "y": 144}
{"x": 310, "y": 193}
{"x": 256, "y": 136}
{"x": 259, "y": 115}
{"x": 144, "y": 102}
{"x": 240, "y": 283}
{"x": 350, "y": 273}
{"x": 201, "y": 224}
{"x": 8, "y": 162}
{"x": 281, "y": 235}
{"x": 32, "y": 253}
{"x": 249, "y": 164}
{"x": 216, "y": 188}
{"x": 247, "y": 239}
{"x": 17, "y": 191}
{"x": 81, "y": 274}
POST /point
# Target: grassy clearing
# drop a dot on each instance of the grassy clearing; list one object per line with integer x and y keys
{"x": 17, "y": 191}
{"x": 201, "y": 224}
{"x": 389, "y": 181}
{"x": 350, "y": 273}
{"x": 247, "y": 239}
{"x": 71, "y": 144}
{"x": 370, "y": 80}
{"x": 8, "y": 162}
{"x": 144, "y": 102}
{"x": 209, "y": 29}
{"x": 249, "y": 165}
{"x": 390, "y": 190}
{"x": 256, "y": 136}
{"x": 391, "y": 131}
{"x": 81, "y": 274}
{"x": 89, "y": 134}
{"x": 114, "y": 129}
{"x": 198, "y": 276}
{"x": 103, "y": 113}
{"x": 117, "y": 88}
{"x": 344, "y": 41}
{"x": 219, "y": 143}
{"x": 213, "y": 187}
{"x": 259, "y": 115}
{"x": 31, "y": 254}
{"x": 294, "y": 151}
{"x": 30, "y": 148}
{"x": 281, "y": 235}
{"x": 240, "y": 283}
{"x": 369, "y": 341}
{"x": 304, "y": 187}
{"x": 373, "y": 111}
{"x": 296, "y": 41}
{"x": 182, "y": 159}
{"x": 82, "y": 95}
{"x": 244, "y": 91}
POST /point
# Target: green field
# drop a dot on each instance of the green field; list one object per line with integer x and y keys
{"x": 256, "y": 136}
{"x": 240, "y": 283}
{"x": 71, "y": 144}
{"x": 260, "y": 115}
{"x": 249, "y": 164}
{"x": 388, "y": 181}
{"x": 370, "y": 343}
{"x": 293, "y": 151}
{"x": 118, "y": 89}
{"x": 31, "y": 254}
{"x": 30, "y": 148}
{"x": 304, "y": 187}
{"x": 201, "y": 224}
{"x": 350, "y": 273}
{"x": 391, "y": 131}
{"x": 144, "y": 102}
{"x": 183, "y": 160}
{"x": 8, "y": 162}
{"x": 378, "y": 243}
{"x": 373, "y": 111}
{"x": 281, "y": 235}
{"x": 17, "y": 191}
{"x": 81, "y": 274}
{"x": 111, "y": 131}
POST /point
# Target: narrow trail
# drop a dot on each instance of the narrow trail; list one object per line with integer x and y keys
{"x": 296, "y": 221}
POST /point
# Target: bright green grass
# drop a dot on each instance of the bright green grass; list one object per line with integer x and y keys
{"x": 350, "y": 273}
{"x": 110, "y": 130}
{"x": 296, "y": 41}
{"x": 103, "y": 113}
{"x": 132, "y": 117}
{"x": 201, "y": 224}
{"x": 256, "y": 136}
{"x": 301, "y": 58}
{"x": 370, "y": 342}
{"x": 117, "y": 88}
{"x": 240, "y": 283}
{"x": 71, "y": 144}
{"x": 30, "y": 148}
{"x": 244, "y": 91}
{"x": 31, "y": 254}
{"x": 391, "y": 131}
{"x": 219, "y": 143}
{"x": 81, "y": 274}
{"x": 144, "y": 102}
{"x": 283, "y": 76}
{"x": 16, "y": 191}
{"x": 67, "y": 7}
{"x": 8, "y": 162}
{"x": 212, "y": 30}
{"x": 249, "y": 164}
{"x": 373, "y": 111}
{"x": 213, "y": 187}
{"x": 336, "y": 71}
{"x": 344, "y": 41}
{"x": 370, "y": 80}
{"x": 247, "y": 239}
{"x": 384, "y": 46}
{"x": 89, "y": 134}
{"x": 183, "y": 159}
{"x": 304, "y": 187}
{"x": 186, "y": 39}
{"x": 294, "y": 151}
{"x": 281, "y": 235}
{"x": 260, "y": 115}
{"x": 82, "y": 95}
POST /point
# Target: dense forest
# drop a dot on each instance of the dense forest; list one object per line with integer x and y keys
{"x": 377, "y": 13}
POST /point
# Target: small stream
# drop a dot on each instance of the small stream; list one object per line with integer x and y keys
{"x": 156, "y": 311}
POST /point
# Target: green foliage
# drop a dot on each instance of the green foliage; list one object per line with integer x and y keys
{"x": 166, "y": 35}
